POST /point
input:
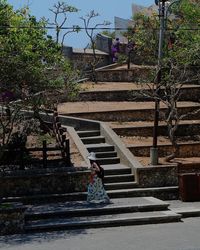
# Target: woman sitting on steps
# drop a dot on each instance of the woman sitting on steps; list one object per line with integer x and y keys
{"x": 96, "y": 190}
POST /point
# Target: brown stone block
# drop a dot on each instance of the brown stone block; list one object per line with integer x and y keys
{"x": 188, "y": 187}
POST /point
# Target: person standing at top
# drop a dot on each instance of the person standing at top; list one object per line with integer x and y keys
{"x": 96, "y": 191}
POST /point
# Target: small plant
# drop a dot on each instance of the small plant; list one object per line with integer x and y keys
{"x": 45, "y": 137}
{"x": 6, "y": 205}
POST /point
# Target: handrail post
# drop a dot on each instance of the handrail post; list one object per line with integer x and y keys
{"x": 44, "y": 151}
{"x": 67, "y": 152}
{"x": 21, "y": 161}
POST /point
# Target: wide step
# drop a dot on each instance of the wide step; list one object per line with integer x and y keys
{"x": 107, "y": 161}
{"x": 164, "y": 193}
{"x": 74, "y": 215}
{"x": 103, "y": 221}
{"x": 89, "y": 133}
{"x": 103, "y": 147}
{"x": 106, "y": 154}
{"x": 83, "y": 208}
{"x": 120, "y": 185}
{"x": 116, "y": 169}
{"x": 92, "y": 140}
{"x": 119, "y": 178}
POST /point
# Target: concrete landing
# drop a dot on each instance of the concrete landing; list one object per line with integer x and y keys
{"x": 138, "y": 203}
{"x": 186, "y": 209}
{"x": 77, "y": 214}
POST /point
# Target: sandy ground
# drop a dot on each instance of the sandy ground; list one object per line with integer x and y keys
{"x": 109, "y": 86}
{"x": 76, "y": 157}
{"x": 145, "y": 123}
{"x": 105, "y": 86}
{"x": 81, "y": 107}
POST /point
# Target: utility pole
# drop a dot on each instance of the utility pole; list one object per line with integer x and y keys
{"x": 163, "y": 13}
{"x": 154, "y": 149}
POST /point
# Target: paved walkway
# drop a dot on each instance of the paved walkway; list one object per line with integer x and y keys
{"x": 187, "y": 209}
{"x": 173, "y": 236}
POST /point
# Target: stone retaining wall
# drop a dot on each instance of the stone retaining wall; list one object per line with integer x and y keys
{"x": 187, "y": 94}
{"x": 43, "y": 183}
{"x": 158, "y": 176}
{"x": 183, "y": 130}
{"x": 11, "y": 218}
{"x": 185, "y": 150}
{"x": 81, "y": 60}
{"x": 138, "y": 74}
{"x": 134, "y": 115}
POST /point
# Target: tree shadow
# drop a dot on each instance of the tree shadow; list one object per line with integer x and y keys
{"x": 44, "y": 237}
{"x": 41, "y": 237}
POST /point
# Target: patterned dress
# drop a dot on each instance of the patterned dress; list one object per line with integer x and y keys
{"x": 96, "y": 190}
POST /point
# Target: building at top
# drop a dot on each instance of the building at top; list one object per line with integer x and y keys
{"x": 121, "y": 24}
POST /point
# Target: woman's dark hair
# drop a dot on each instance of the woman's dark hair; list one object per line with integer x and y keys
{"x": 99, "y": 173}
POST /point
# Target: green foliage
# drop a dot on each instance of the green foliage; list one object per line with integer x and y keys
{"x": 186, "y": 49}
{"x": 45, "y": 137}
{"x": 33, "y": 70}
{"x": 180, "y": 62}
{"x": 109, "y": 34}
{"x": 145, "y": 36}
{"x": 29, "y": 59}
{"x": 181, "y": 25}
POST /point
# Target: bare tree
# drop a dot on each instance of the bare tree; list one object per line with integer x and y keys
{"x": 60, "y": 11}
{"x": 168, "y": 92}
{"x": 90, "y": 33}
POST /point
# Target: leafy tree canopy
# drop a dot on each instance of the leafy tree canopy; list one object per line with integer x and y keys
{"x": 30, "y": 61}
{"x": 182, "y": 36}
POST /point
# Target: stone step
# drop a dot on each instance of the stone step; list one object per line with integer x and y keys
{"x": 145, "y": 129}
{"x": 103, "y": 147}
{"x": 137, "y": 113}
{"x": 113, "y": 220}
{"x": 83, "y": 208}
{"x": 164, "y": 193}
{"x": 106, "y": 154}
{"x": 108, "y": 161}
{"x": 135, "y": 74}
{"x": 131, "y": 92}
{"x": 119, "y": 178}
{"x": 80, "y": 214}
{"x": 116, "y": 169}
{"x": 93, "y": 140}
{"x": 89, "y": 133}
{"x": 120, "y": 185}
{"x": 188, "y": 212}
{"x": 186, "y": 209}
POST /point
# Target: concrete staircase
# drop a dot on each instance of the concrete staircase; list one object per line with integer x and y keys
{"x": 94, "y": 142}
{"x": 119, "y": 179}
{"x": 131, "y": 204}
{"x": 139, "y": 109}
